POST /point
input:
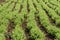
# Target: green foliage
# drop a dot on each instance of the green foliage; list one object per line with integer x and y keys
{"x": 44, "y": 9}
{"x": 2, "y": 37}
{"x": 18, "y": 33}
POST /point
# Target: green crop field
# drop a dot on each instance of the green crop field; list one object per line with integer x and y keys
{"x": 29, "y": 19}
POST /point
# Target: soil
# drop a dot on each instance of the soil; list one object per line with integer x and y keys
{"x": 1, "y": 1}
{"x": 24, "y": 24}
{"x": 10, "y": 28}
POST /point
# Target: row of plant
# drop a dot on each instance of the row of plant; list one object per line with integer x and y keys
{"x": 4, "y": 19}
{"x": 18, "y": 33}
{"x": 6, "y": 5}
{"x": 34, "y": 31}
{"x": 54, "y": 7}
{"x": 49, "y": 4}
{"x": 51, "y": 13}
{"x": 52, "y": 30}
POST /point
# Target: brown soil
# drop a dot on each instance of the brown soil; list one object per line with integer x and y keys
{"x": 28, "y": 9}
{"x": 2, "y": 1}
{"x": 24, "y": 24}
{"x": 10, "y": 28}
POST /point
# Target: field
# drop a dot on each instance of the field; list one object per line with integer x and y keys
{"x": 29, "y": 19}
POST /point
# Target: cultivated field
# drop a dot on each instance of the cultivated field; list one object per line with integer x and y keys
{"x": 29, "y": 19}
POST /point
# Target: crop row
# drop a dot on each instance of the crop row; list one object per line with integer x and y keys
{"x": 5, "y": 16}
{"x": 16, "y": 10}
{"x": 53, "y": 30}
{"x": 56, "y": 7}
{"x": 51, "y": 13}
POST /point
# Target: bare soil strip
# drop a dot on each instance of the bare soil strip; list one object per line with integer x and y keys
{"x": 10, "y": 28}
{"x": 1, "y": 1}
{"x": 24, "y": 24}
{"x": 28, "y": 9}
